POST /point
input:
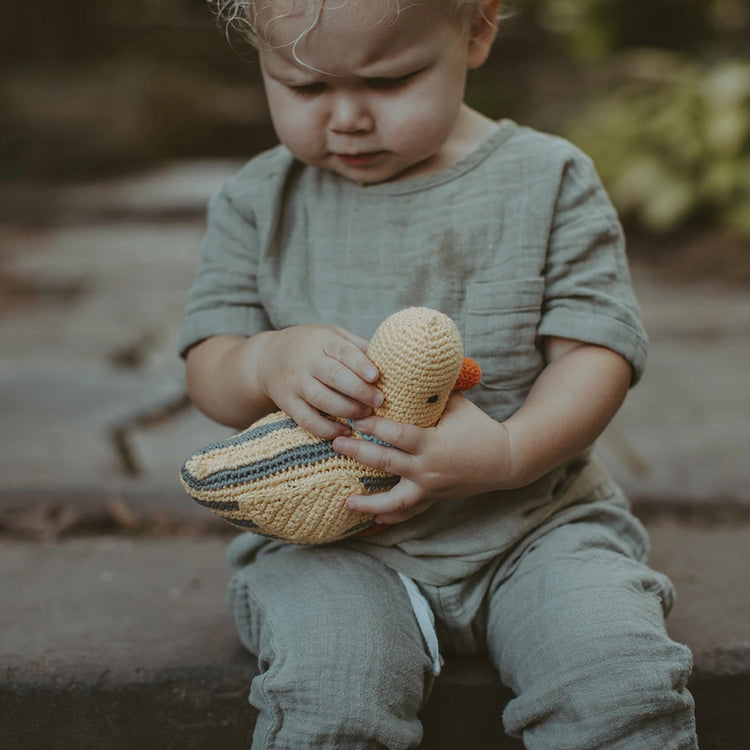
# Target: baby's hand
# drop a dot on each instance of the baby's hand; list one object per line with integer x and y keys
{"x": 466, "y": 453}
{"x": 309, "y": 369}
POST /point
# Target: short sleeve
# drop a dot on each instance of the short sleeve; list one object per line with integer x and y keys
{"x": 588, "y": 293}
{"x": 224, "y": 298}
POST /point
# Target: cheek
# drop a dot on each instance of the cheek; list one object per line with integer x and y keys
{"x": 424, "y": 127}
{"x": 294, "y": 125}
{"x": 427, "y": 115}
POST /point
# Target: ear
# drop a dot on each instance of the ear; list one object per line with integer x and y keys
{"x": 482, "y": 32}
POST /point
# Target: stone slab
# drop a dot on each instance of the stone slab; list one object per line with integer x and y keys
{"x": 95, "y": 631}
{"x": 87, "y": 347}
{"x": 683, "y": 432}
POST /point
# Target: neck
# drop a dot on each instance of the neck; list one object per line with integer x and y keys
{"x": 472, "y": 129}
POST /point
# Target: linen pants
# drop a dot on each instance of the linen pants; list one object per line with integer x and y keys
{"x": 574, "y": 623}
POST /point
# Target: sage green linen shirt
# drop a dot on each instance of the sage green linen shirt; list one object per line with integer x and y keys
{"x": 515, "y": 242}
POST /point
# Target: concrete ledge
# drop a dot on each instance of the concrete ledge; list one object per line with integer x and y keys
{"x": 186, "y": 709}
{"x": 201, "y": 708}
{"x": 125, "y": 643}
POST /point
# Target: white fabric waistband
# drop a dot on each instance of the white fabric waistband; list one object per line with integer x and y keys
{"x": 426, "y": 620}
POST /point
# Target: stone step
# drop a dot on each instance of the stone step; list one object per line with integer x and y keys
{"x": 126, "y": 644}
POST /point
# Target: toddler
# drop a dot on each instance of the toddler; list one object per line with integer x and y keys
{"x": 505, "y": 537}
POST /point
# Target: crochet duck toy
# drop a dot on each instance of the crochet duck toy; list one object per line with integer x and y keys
{"x": 278, "y": 480}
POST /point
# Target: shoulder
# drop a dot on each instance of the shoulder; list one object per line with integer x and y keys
{"x": 552, "y": 164}
{"x": 259, "y": 174}
{"x": 534, "y": 152}
{"x": 252, "y": 192}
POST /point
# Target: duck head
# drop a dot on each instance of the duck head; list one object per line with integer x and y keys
{"x": 419, "y": 354}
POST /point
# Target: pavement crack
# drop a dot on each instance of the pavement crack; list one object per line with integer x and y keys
{"x": 128, "y": 463}
{"x": 121, "y": 435}
{"x": 133, "y": 356}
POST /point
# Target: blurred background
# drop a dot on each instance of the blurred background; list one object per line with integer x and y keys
{"x": 658, "y": 91}
{"x": 119, "y": 119}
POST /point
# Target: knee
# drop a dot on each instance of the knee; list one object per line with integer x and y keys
{"x": 339, "y": 690}
{"x": 632, "y": 695}
{"x": 578, "y": 633}
{"x": 341, "y": 665}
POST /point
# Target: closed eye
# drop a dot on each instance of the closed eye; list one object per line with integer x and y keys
{"x": 391, "y": 84}
{"x": 308, "y": 90}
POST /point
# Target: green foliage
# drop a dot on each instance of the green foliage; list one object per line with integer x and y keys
{"x": 594, "y": 29}
{"x": 673, "y": 143}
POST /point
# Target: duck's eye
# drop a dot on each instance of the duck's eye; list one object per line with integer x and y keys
{"x": 432, "y": 399}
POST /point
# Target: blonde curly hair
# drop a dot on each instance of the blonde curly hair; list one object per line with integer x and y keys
{"x": 243, "y": 16}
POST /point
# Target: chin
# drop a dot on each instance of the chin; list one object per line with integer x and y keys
{"x": 364, "y": 176}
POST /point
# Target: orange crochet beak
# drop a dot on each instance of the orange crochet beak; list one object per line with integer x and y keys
{"x": 470, "y": 375}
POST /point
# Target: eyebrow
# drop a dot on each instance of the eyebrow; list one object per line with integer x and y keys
{"x": 282, "y": 61}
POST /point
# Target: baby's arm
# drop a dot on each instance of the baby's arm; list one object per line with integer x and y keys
{"x": 468, "y": 453}
{"x": 573, "y": 400}
{"x": 303, "y": 370}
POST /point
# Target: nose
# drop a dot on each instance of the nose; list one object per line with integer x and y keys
{"x": 350, "y": 114}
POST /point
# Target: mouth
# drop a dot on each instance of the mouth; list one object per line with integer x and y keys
{"x": 361, "y": 159}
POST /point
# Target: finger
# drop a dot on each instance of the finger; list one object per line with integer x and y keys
{"x": 402, "y": 502}
{"x": 380, "y": 457}
{"x": 361, "y": 344}
{"x": 405, "y": 437}
{"x": 328, "y": 401}
{"x": 336, "y": 375}
{"x": 315, "y": 423}
{"x": 348, "y": 351}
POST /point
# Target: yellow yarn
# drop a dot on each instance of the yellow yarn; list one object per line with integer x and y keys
{"x": 281, "y": 481}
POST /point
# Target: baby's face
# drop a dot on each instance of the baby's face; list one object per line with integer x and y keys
{"x": 370, "y": 98}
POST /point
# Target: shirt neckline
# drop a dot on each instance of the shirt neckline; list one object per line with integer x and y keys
{"x": 505, "y": 128}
